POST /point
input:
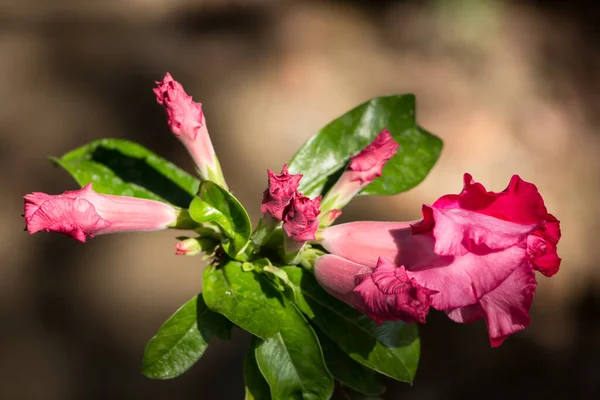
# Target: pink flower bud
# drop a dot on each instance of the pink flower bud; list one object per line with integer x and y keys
{"x": 300, "y": 221}
{"x": 362, "y": 170}
{"x": 478, "y": 250}
{"x": 188, "y": 247}
{"x": 187, "y": 122}
{"x": 279, "y": 194}
{"x": 368, "y": 164}
{"x": 84, "y": 213}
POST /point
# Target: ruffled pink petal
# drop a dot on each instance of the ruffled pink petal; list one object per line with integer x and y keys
{"x": 521, "y": 203}
{"x": 388, "y": 294}
{"x": 301, "y": 219}
{"x": 279, "y": 194}
{"x": 506, "y": 309}
{"x": 458, "y": 232}
{"x": 75, "y": 217}
{"x": 463, "y": 280}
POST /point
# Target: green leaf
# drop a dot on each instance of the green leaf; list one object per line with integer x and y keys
{"x": 325, "y": 154}
{"x": 347, "y": 371}
{"x": 121, "y": 167}
{"x": 245, "y": 298}
{"x": 391, "y": 348}
{"x": 215, "y": 204}
{"x": 257, "y": 387}
{"x": 291, "y": 361}
{"x": 182, "y": 340}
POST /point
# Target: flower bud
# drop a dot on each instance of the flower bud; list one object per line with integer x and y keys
{"x": 362, "y": 170}
{"x": 187, "y": 122}
{"x": 278, "y": 196}
{"x": 84, "y": 213}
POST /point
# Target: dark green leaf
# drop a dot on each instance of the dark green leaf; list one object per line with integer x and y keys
{"x": 325, "y": 154}
{"x": 245, "y": 298}
{"x": 291, "y": 361}
{"x": 215, "y": 204}
{"x": 347, "y": 371}
{"x": 182, "y": 340}
{"x": 257, "y": 387}
{"x": 121, "y": 167}
{"x": 391, "y": 348}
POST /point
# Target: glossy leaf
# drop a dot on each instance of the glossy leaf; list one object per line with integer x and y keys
{"x": 217, "y": 205}
{"x": 182, "y": 340}
{"x": 121, "y": 167}
{"x": 257, "y": 387}
{"x": 325, "y": 155}
{"x": 291, "y": 361}
{"x": 347, "y": 371}
{"x": 245, "y": 298}
{"x": 391, "y": 348}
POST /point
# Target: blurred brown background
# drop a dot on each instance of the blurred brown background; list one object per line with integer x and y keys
{"x": 512, "y": 86}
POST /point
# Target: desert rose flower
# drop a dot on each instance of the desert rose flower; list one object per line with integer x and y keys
{"x": 362, "y": 170}
{"x": 473, "y": 255}
{"x": 280, "y": 192}
{"x": 187, "y": 122}
{"x": 84, "y": 213}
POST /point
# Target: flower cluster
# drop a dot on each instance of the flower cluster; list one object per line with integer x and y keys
{"x": 473, "y": 255}
{"x": 283, "y": 202}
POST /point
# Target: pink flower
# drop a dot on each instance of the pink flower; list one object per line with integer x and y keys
{"x": 187, "y": 122}
{"x": 300, "y": 220}
{"x": 472, "y": 255}
{"x": 362, "y": 170}
{"x": 279, "y": 194}
{"x": 84, "y": 213}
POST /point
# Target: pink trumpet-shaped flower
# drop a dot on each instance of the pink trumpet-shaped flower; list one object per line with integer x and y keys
{"x": 84, "y": 213}
{"x": 187, "y": 122}
{"x": 362, "y": 170}
{"x": 280, "y": 193}
{"x": 472, "y": 255}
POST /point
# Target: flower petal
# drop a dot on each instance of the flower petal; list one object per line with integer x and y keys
{"x": 506, "y": 308}
{"x": 337, "y": 276}
{"x": 389, "y": 294}
{"x": 75, "y": 217}
{"x": 459, "y": 231}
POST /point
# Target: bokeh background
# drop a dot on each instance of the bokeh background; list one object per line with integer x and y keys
{"x": 511, "y": 86}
